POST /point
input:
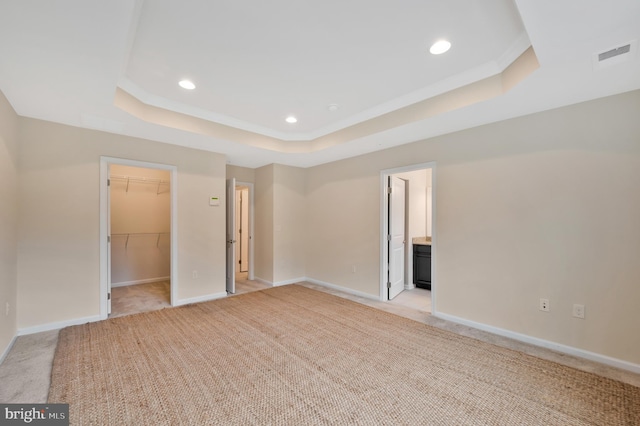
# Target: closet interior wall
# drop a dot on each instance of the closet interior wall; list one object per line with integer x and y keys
{"x": 140, "y": 225}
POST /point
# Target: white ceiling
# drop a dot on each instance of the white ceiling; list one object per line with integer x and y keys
{"x": 256, "y": 62}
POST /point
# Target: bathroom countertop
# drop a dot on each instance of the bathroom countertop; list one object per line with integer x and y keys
{"x": 424, "y": 241}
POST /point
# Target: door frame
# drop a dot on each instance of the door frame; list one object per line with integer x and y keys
{"x": 105, "y": 215}
{"x": 249, "y": 185}
{"x": 384, "y": 228}
{"x": 230, "y": 235}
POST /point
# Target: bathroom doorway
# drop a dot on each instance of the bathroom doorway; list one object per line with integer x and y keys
{"x": 418, "y": 210}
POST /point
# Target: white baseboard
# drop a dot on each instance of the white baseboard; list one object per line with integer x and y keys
{"x": 57, "y": 325}
{"x": 344, "y": 289}
{"x": 144, "y": 281}
{"x": 287, "y": 282}
{"x": 263, "y": 281}
{"x": 318, "y": 282}
{"x": 279, "y": 283}
{"x": 569, "y": 350}
{"x": 8, "y": 348}
{"x": 76, "y": 321}
{"x": 199, "y": 299}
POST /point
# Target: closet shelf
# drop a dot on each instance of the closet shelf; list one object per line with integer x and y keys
{"x": 138, "y": 179}
{"x": 141, "y": 233}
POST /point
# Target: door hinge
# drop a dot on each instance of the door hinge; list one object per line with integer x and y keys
{"x": 389, "y": 237}
{"x": 108, "y": 238}
{"x": 388, "y": 284}
{"x": 389, "y": 190}
{"x": 109, "y": 296}
{"x": 108, "y": 182}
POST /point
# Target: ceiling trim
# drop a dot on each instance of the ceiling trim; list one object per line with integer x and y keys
{"x": 472, "y": 93}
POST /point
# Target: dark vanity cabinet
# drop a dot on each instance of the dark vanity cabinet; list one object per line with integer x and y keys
{"x": 422, "y": 266}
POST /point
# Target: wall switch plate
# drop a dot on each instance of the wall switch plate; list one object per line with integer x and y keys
{"x": 195, "y": 274}
{"x": 544, "y": 305}
{"x": 578, "y": 311}
{"x": 6, "y": 313}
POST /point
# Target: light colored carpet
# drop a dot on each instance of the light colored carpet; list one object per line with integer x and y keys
{"x": 25, "y": 375}
{"x": 292, "y": 355}
{"x": 132, "y": 299}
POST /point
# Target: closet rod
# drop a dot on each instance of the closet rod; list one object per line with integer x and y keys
{"x": 140, "y": 179}
{"x": 126, "y": 244}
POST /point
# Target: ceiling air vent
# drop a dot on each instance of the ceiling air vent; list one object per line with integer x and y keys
{"x": 614, "y": 56}
{"x": 614, "y": 52}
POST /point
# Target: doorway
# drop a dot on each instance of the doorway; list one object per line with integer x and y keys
{"x": 242, "y": 229}
{"x": 138, "y": 254}
{"x": 397, "y": 240}
{"x": 244, "y": 247}
{"x": 416, "y": 205}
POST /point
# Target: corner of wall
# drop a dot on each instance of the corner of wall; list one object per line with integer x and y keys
{"x": 8, "y": 225}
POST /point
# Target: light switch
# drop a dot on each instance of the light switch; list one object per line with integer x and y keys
{"x": 214, "y": 201}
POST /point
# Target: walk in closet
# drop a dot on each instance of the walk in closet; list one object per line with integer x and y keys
{"x": 140, "y": 219}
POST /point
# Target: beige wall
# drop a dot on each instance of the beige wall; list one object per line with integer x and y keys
{"x": 242, "y": 174}
{"x": 263, "y": 220}
{"x": 58, "y": 253}
{"x": 140, "y": 224}
{"x": 289, "y": 223}
{"x": 343, "y": 216}
{"x": 540, "y": 206}
{"x": 280, "y": 222}
{"x": 8, "y": 221}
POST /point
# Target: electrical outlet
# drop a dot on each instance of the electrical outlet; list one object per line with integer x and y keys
{"x": 578, "y": 311}
{"x": 195, "y": 274}
{"x": 544, "y": 305}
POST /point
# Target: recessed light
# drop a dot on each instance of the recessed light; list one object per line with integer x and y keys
{"x": 187, "y": 84}
{"x": 333, "y": 107}
{"x": 291, "y": 119}
{"x": 439, "y": 47}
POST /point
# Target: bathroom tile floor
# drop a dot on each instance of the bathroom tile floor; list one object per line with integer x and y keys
{"x": 416, "y": 298}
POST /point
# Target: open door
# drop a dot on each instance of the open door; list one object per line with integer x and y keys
{"x": 109, "y": 241}
{"x": 396, "y": 239}
{"x": 231, "y": 230}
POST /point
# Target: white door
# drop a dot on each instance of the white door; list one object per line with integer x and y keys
{"x": 231, "y": 231}
{"x": 396, "y": 239}
{"x": 108, "y": 240}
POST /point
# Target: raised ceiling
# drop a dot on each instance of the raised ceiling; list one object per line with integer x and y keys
{"x": 115, "y": 66}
